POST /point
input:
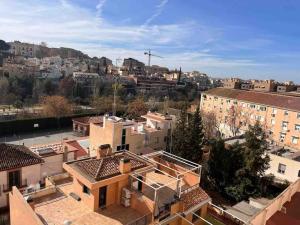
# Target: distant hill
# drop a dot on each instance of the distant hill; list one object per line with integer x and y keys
{"x": 43, "y": 51}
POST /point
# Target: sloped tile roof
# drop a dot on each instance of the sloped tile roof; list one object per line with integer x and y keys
{"x": 193, "y": 198}
{"x": 100, "y": 169}
{"x": 16, "y": 156}
{"x": 270, "y": 99}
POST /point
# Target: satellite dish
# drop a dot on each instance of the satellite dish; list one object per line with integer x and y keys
{"x": 67, "y": 222}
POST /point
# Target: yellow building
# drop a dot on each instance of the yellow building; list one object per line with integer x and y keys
{"x": 130, "y": 135}
{"x": 235, "y": 109}
{"x": 115, "y": 189}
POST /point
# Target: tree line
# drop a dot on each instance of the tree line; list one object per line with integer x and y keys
{"x": 235, "y": 171}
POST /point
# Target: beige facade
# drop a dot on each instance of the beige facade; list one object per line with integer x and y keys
{"x": 284, "y": 167}
{"x": 121, "y": 192}
{"x": 29, "y": 176}
{"x": 130, "y": 135}
{"x": 234, "y": 113}
{"x": 22, "y": 49}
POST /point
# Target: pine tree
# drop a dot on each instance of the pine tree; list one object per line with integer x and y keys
{"x": 180, "y": 134}
{"x": 195, "y": 139}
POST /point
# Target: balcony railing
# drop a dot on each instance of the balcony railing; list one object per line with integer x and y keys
{"x": 8, "y": 187}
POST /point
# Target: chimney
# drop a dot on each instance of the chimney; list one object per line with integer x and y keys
{"x": 125, "y": 165}
{"x": 103, "y": 151}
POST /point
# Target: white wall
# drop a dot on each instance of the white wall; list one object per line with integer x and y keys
{"x": 3, "y": 196}
{"x": 52, "y": 165}
{"x": 292, "y": 168}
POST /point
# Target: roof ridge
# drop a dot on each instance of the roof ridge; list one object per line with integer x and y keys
{"x": 99, "y": 168}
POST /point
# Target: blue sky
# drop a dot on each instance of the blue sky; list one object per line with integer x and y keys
{"x": 246, "y": 38}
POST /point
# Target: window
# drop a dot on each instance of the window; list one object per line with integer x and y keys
{"x": 298, "y": 115}
{"x": 297, "y": 127}
{"x": 273, "y": 121}
{"x": 274, "y": 111}
{"x": 86, "y": 190}
{"x": 284, "y": 125}
{"x": 295, "y": 140}
{"x": 263, "y": 108}
{"x": 252, "y": 106}
{"x": 281, "y": 168}
{"x": 14, "y": 179}
{"x": 286, "y": 113}
{"x": 282, "y": 137}
{"x": 299, "y": 173}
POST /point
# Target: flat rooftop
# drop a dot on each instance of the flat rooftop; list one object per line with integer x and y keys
{"x": 58, "y": 207}
{"x": 286, "y": 152}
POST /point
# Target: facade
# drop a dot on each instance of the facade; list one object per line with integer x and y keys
{"x": 130, "y": 135}
{"x": 19, "y": 167}
{"x": 81, "y": 125}
{"x": 235, "y": 109}
{"x": 264, "y": 85}
{"x": 284, "y": 164}
{"x": 117, "y": 189}
{"x": 232, "y": 83}
{"x": 54, "y": 155}
{"x": 22, "y": 49}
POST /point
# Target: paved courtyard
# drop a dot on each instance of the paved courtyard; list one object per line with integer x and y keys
{"x": 39, "y": 138}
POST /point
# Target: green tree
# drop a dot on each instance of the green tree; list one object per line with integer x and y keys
{"x": 237, "y": 171}
{"x": 180, "y": 135}
{"x": 195, "y": 137}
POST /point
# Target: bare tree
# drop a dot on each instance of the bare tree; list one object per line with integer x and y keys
{"x": 211, "y": 124}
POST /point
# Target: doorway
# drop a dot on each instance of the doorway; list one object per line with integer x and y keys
{"x": 102, "y": 196}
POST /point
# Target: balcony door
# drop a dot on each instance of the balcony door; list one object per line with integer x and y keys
{"x": 102, "y": 196}
{"x": 14, "y": 178}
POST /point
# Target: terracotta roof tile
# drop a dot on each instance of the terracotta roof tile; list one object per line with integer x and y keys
{"x": 16, "y": 156}
{"x": 193, "y": 198}
{"x": 270, "y": 99}
{"x": 100, "y": 169}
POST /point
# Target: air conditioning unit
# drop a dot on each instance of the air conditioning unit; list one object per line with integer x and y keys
{"x": 125, "y": 202}
{"x": 126, "y": 193}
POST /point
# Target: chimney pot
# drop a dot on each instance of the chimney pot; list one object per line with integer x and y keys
{"x": 125, "y": 165}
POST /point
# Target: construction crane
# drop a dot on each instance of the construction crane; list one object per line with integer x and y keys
{"x": 150, "y": 55}
{"x": 117, "y": 61}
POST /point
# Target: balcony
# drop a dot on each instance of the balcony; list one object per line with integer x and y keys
{"x": 8, "y": 187}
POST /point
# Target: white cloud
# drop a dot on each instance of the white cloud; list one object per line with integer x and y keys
{"x": 61, "y": 23}
{"x": 158, "y": 10}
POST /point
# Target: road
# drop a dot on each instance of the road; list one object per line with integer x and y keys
{"x": 39, "y": 138}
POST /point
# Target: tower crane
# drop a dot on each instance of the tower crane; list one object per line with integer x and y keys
{"x": 117, "y": 61}
{"x": 150, "y": 55}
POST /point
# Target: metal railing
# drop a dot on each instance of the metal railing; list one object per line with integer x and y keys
{"x": 8, "y": 187}
{"x": 144, "y": 220}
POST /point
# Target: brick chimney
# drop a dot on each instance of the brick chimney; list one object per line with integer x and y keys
{"x": 103, "y": 151}
{"x": 125, "y": 165}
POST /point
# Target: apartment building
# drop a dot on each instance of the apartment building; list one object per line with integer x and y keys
{"x": 81, "y": 125}
{"x": 55, "y": 154}
{"x": 130, "y": 135}
{"x": 22, "y": 49}
{"x": 284, "y": 163}
{"x": 18, "y": 167}
{"x": 115, "y": 189}
{"x": 235, "y": 109}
